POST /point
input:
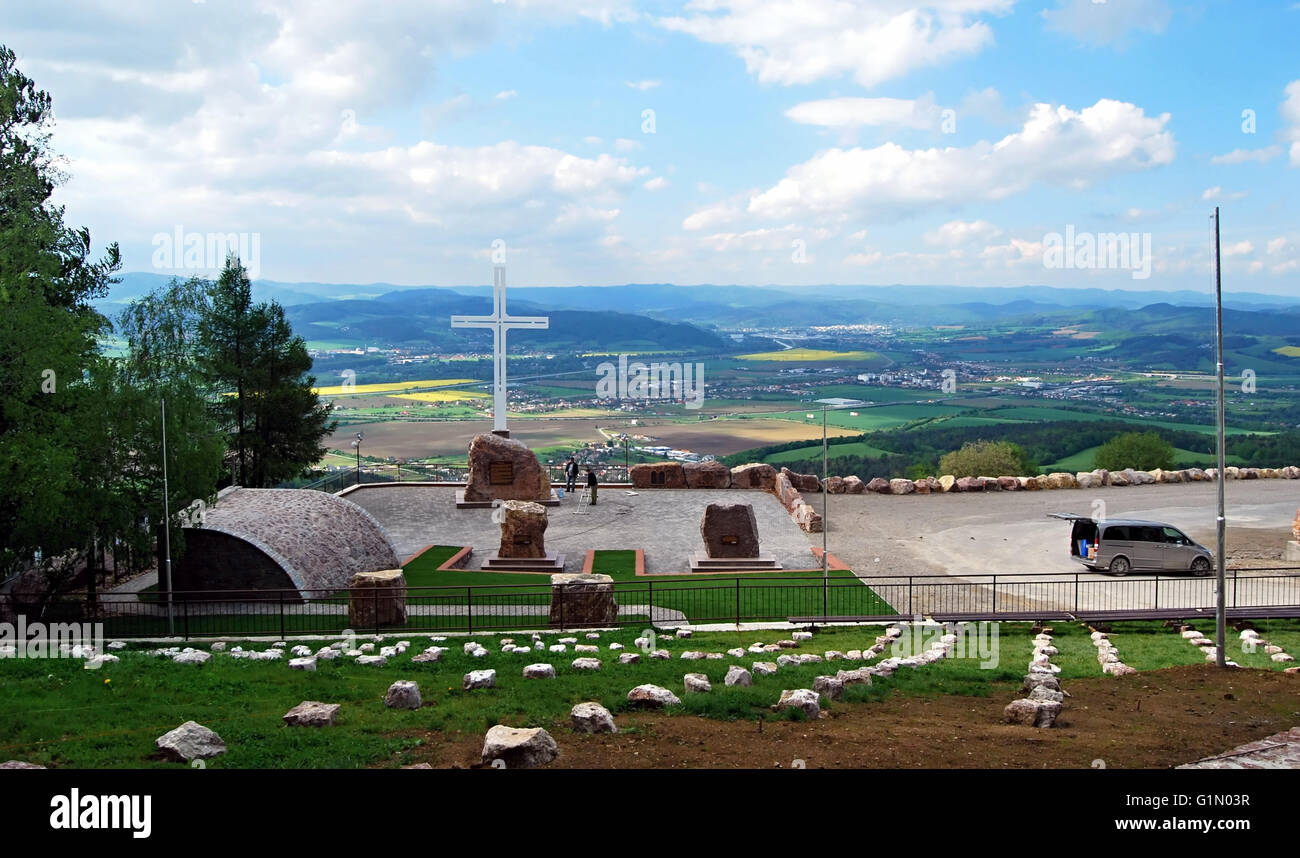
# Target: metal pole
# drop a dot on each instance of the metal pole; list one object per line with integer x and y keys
{"x": 1220, "y": 608}
{"x": 826, "y": 580}
{"x": 167, "y": 528}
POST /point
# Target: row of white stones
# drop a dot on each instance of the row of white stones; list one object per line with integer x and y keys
{"x": 1108, "y": 655}
{"x": 1043, "y": 695}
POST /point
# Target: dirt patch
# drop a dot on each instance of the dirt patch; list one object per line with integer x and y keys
{"x": 1156, "y": 719}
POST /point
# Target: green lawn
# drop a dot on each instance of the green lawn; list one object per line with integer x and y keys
{"x": 800, "y": 454}
{"x": 1084, "y": 460}
{"x": 54, "y": 713}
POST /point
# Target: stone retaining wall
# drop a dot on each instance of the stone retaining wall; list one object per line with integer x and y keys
{"x": 789, "y": 487}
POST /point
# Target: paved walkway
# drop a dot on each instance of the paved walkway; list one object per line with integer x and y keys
{"x": 1279, "y": 751}
{"x": 664, "y": 523}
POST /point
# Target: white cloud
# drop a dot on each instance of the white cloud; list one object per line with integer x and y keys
{"x": 623, "y": 144}
{"x": 1242, "y": 156}
{"x": 592, "y": 140}
{"x": 1277, "y": 245}
{"x": 1290, "y": 111}
{"x": 1015, "y": 252}
{"x": 644, "y": 85}
{"x": 802, "y": 41}
{"x": 1217, "y": 193}
{"x": 1107, "y": 23}
{"x": 1240, "y": 248}
{"x": 857, "y": 112}
{"x": 658, "y": 183}
{"x": 1056, "y": 146}
{"x": 713, "y": 216}
{"x": 505, "y": 94}
{"x": 864, "y": 258}
{"x": 956, "y": 233}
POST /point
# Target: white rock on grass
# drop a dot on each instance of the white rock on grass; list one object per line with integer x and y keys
{"x": 586, "y": 664}
{"x": 300, "y": 651}
{"x": 403, "y": 694}
{"x": 861, "y": 676}
{"x": 696, "y": 683}
{"x": 373, "y": 660}
{"x": 193, "y": 658}
{"x": 829, "y": 688}
{"x": 765, "y": 668}
{"x": 629, "y": 658}
{"x": 615, "y": 647}
{"x": 190, "y": 741}
{"x": 593, "y": 636}
{"x": 308, "y": 663}
{"x": 567, "y": 640}
{"x": 480, "y": 679}
{"x": 469, "y": 647}
{"x": 558, "y": 648}
{"x": 585, "y": 648}
{"x": 328, "y": 654}
{"x": 737, "y": 675}
{"x": 653, "y": 697}
{"x": 217, "y": 646}
{"x": 521, "y": 650}
{"x": 592, "y": 718}
{"x": 803, "y": 699}
{"x": 312, "y": 713}
{"x": 802, "y": 636}
{"x": 478, "y": 653}
{"x": 1280, "y": 657}
{"x": 692, "y": 655}
{"x": 786, "y": 661}
{"x": 97, "y": 661}
{"x": 661, "y": 654}
{"x": 369, "y": 647}
{"x": 1032, "y": 713}
{"x": 431, "y": 655}
{"x": 116, "y": 645}
{"x": 519, "y": 747}
{"x": 736, "y": 653}
{"x": 539, "y": 671}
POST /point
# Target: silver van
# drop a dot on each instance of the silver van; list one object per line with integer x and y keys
{"x": 1120, "y": 546}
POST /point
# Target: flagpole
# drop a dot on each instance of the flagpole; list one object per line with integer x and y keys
{"x": 167, "y": 529}
{"x": 1220, "y": 606}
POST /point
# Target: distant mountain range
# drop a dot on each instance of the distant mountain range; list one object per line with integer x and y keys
{"x": 668, "y": 316}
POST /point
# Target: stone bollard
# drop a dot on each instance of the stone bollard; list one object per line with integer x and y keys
{"x": 581, "y": 600}
{"x": 377, "y": 599}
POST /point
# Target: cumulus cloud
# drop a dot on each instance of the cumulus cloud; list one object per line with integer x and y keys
{"x": 1057, "y": 146}
{"x": 857, "y": 112}
{"x": 801, "y": 41}
{"x": 1243, "y": 156}
{"x": 644, "y": 85}
{"x": 956, "y": 233}
{"x": 1290, "y": 111}
{"x": 1107, "y": 23}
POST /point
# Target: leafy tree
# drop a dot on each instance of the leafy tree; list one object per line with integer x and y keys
{"x": 257, "y": 370}
{"x": 1143, "y": 451}
{"x": 985, "y": 459}
{"x": 48, "y": 331}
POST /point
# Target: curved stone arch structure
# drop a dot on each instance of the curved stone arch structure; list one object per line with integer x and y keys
{"x": 261, "y": 539}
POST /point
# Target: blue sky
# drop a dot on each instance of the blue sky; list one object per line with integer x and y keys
{"x": 796, "y": 142}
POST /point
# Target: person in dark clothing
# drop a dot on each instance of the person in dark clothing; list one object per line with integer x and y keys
{"x": 571, "y": 475}
{"x": 591, "y": 484}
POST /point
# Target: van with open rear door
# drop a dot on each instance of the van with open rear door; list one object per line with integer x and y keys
{"x": 1120, "y": 546}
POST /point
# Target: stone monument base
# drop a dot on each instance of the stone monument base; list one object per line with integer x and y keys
{"x": 461, "y": 503}
{"x": 581, "y": 600}
{"x": 552, "y": 562}
{"x": 1292, "y": 552}
{"x": 701, "y": 562}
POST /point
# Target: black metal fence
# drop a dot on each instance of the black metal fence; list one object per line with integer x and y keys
{"x": 748, "y": 598}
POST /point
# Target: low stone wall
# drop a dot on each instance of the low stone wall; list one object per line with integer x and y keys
{"x": 788, "y": 487}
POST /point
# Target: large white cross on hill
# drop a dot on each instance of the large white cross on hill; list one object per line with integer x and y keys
{"x": 500, "y": 322}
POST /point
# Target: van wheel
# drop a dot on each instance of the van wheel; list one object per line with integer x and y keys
{"x": 1119, "y": 567}
{"x": 1200, "y": 566}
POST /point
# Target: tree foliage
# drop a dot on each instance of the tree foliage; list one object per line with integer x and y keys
{"x": 985, "y": 459}
{"x": 1143, "y": 451}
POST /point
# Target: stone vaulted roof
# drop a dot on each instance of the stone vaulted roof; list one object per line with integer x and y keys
{"x": 318, "y": 539}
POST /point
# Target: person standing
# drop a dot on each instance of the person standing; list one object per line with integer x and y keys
{"x": 591, "y": 484}
{"x": 571, "y": 475}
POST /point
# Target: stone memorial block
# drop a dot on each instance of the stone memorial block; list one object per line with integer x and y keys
{"x": 504, "y": 469}
{"x": 582, "y": 600}
{"x": 707, "y": 475}
{"x": 377, "y": 599}
{"x": 523, "y": 530}
{"x": 659, "y": 475}
{"x": 729, "y": 530}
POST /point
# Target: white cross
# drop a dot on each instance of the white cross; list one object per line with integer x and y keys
{"x": 500, "y": 322}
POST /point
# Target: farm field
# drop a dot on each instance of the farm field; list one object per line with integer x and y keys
{"x": 816, "y": 355}
{"x": 1083, "y": 460}
{"x": 387, "y": 387}
{"x": 854, "y": 448}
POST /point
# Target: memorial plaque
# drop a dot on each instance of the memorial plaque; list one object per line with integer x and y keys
{"x": 730, "y": 540}
{"x": 501, "y": 473}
